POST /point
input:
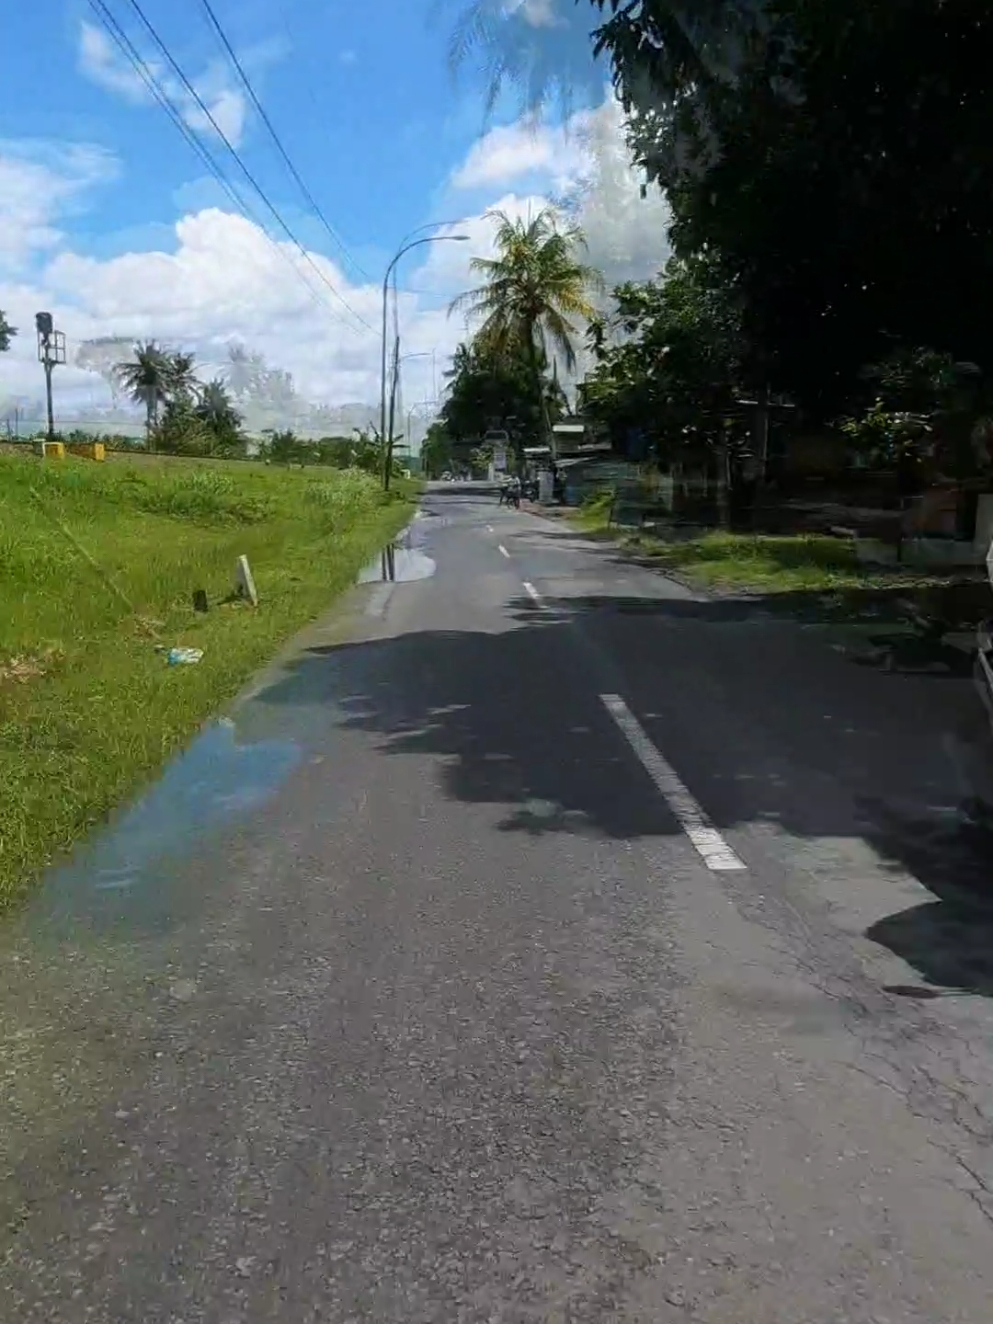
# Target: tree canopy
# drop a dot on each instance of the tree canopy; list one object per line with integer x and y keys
{"x": 835, "y": 156}
{"x": 182, "y": 413}
{"x": 669, "y": 362}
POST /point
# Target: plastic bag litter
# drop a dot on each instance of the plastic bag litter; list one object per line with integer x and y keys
{"x": 177, "y": 657}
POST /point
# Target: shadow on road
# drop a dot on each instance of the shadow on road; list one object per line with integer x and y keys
{"x": 949, "y": 941}
{"x": 764, "y": 722}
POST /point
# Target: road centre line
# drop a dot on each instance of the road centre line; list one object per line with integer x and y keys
{"x": 503, "y": 550}
{"x": 716, "y": 854}
{"x": 532, "y": 592}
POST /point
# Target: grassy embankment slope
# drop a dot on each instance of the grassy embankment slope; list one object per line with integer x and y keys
{"x": 88, "y": 708}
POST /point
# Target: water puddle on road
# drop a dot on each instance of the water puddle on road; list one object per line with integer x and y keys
{"x": 399, "y": 563}
{"x": 131, "y": 873}
{"x": 135, "y": 874}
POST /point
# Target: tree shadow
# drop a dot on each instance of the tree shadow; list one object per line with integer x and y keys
{"x": 764, "y": 724}
{"x": 948, "y": 941}
{"x": 511, "y": 726}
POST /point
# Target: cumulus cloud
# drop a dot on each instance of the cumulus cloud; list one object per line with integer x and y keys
{"x": 101, "y": 60}
{"x": 224, "y": 280}
{"x": 510, "y": 152}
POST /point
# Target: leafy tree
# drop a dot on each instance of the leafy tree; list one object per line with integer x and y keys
{"x": 491, "y": 389}
{"x": 824, "y": 149}
{"x": 670, "y": 362}
{"x": 7, "y": 332}
{"x": 336, "y": 452}
{"x": 284, "y": 447}
{"x": 533, "y": 293}
{"x": 367, "y": 453}
{"x": 436, "y": 451}
{"x": 179, "y": 430}
{"x": 929, "y": 416}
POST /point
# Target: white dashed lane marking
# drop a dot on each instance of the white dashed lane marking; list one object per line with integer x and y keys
{"x": 503, "y": 549}
{"x": 532, "y": 592}
{"x": 716, "y": 854}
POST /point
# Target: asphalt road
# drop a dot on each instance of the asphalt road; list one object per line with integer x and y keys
{"x": 537, "y": 942}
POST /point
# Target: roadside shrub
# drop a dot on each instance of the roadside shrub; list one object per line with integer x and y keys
{"x": 204, "y": 495}
{"x": 348, "y": 491}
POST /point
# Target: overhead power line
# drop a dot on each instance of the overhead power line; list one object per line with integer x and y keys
{"x": 145, "y": 74}
{"x": 315, "y": 208}
{"x": 140, "y": 66}
{"x": 205, "y": 110}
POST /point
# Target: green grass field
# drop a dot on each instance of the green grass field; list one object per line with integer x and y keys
{"x": 88, "y": 708}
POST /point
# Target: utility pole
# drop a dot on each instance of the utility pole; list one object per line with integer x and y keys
{"x": 388, "y": 439}
{"x": 762, "y": 408}
{"x": 51, "y": 352}
{"x": 762, "y": 435}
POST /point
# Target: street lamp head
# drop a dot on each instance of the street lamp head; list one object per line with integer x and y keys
{"x": 459, "y": 238}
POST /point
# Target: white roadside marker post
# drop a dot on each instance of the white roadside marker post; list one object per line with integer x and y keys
{"x": 244, "y": 582}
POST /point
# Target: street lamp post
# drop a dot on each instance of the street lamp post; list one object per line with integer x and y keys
{"x": 387, "y": 442}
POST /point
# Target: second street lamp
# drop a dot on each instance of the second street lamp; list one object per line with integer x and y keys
{"x": 387, "y": 442}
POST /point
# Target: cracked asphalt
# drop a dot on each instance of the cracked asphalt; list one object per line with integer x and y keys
{"x": 418, "y": 991}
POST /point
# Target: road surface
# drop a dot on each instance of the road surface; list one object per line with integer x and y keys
{"x": 537, "y": 942}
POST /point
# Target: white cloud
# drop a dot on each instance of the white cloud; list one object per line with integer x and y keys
{"x": 101, "y": 61}
{"x": 537, "y": 13}
{"x": 39, "y": 181}
{"x": 221, "y": 279}
{"x": 511, "y": 152}
{"x": 586, "y": 165}
{"x": 105, "y": 64}
{"x": 627, "y": 233}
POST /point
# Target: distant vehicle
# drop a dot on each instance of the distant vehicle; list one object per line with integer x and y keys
{"x": 446, "y": 477}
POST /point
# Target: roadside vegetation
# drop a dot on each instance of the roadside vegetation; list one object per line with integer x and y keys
{"x": 720, "y": 559}
{"x": 768, "y": 366}
{"x": 771, "y": 565}
{"x": 89, "y": 707}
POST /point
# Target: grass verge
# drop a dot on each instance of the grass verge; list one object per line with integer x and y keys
{"x": 88, "y": 708}
{"x": 751, "y": 562}
{"x": 806, "y": 566}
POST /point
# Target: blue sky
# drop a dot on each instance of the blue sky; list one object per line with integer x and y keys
{"x": 360, "y": 94}
{"x": 107, "y": 215}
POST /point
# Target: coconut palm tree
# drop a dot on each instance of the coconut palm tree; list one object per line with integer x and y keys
{"x": 215, "y": 410}
{"x": 461, "y": 362}
{"x": 533, "y": 293}
{"x": 555, "y": 50}
{"x": 147, "y": 377}
{"x": 183, "y": 381}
